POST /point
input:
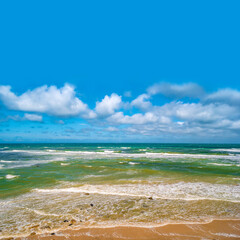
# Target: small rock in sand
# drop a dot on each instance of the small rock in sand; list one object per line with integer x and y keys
{"x": 52, "y": 233}
{"x": 73, "y": 221}
{"x": 91, "y": 205}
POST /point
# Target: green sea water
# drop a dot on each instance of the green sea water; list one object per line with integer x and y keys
{"x": 43, "y": 187}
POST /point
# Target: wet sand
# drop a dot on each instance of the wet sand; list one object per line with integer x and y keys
{"x": 216, "y": 230}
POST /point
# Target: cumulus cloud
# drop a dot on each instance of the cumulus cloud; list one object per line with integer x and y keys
{"x": 108, "y": 105}
{"x": 141, "y": 102}
{"x": 198, "y": 111}
{"x": 50, "y": 100}
{"x": 177, "y": 91}
{"x": 190, "y": 111}
{"x": 139, "y": 118}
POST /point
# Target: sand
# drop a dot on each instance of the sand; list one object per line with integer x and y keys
{"x": 217, "y": 229}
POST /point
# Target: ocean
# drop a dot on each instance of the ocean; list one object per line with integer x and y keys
{"x": 46, "y": 187}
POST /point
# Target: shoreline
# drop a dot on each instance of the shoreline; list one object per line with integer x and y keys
{"x": 214, "y": 230}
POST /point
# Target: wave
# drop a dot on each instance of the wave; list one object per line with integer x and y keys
{"x": 29, "y": 163}
{"x": 176, "y": 191}
{"x": 110, "y": 154}
{"x": 236, "y": 150}
{"x": 224, "y": 164}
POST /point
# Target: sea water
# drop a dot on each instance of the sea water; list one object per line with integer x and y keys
{"x": 45, "y": 187}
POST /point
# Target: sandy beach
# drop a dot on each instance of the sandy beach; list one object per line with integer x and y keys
{"x": 215, "y": 230}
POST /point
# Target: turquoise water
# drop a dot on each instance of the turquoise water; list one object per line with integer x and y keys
{"x": 44, "y": 184}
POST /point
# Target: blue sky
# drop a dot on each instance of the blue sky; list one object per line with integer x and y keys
{"x": 119, "y": 71}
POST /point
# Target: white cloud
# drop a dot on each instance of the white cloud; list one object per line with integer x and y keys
{"x": 120, "y": 118}
{"x": 141, "y": 102}
{"x": 226, "y": 96}
{"x": 108, "y": 105}
{"x": 216, "y": 114}
{"x": 50, "y": 100}
{"x": 177, "y": 91}
{"x": 33, "y": 117}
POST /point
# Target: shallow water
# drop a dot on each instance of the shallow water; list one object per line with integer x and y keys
{"x": 116, "y": 184}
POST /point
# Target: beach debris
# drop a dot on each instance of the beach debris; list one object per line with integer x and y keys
{"x": 65, "y": 220}
{"x": 53, "y": 233}
{"x": 70, "y": 224}
{"x": 150, "y": 198}
{"x": 91, "y": 205}
{"x": 73, "y": 221}
{"x": 86, "y": 193}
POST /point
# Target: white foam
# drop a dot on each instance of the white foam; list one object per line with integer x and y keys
{"x": 237, "y": 150}
{"x": 227, "y": 235}
{"x": 110, "y": 154}
{"x": 181, "y": 190}
{"x": 42, "y": 213}
{"x": 108, "y": 151}
{"x": 4, "y": 161}
{"x": 10, "y": 176}
{"x": 222, "y": 164}
{"x": 29, "y": 163}
{"x": 65, "y": 164}
{"x": 133, "y": 163}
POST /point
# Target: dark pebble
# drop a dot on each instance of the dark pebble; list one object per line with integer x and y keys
{"x": 65, "y": 221}
{"x": 70, "y": 224}
{"x": 150, "y": 198}
{"x": 52, "y": 233}
{"x": 91, "y": 205}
